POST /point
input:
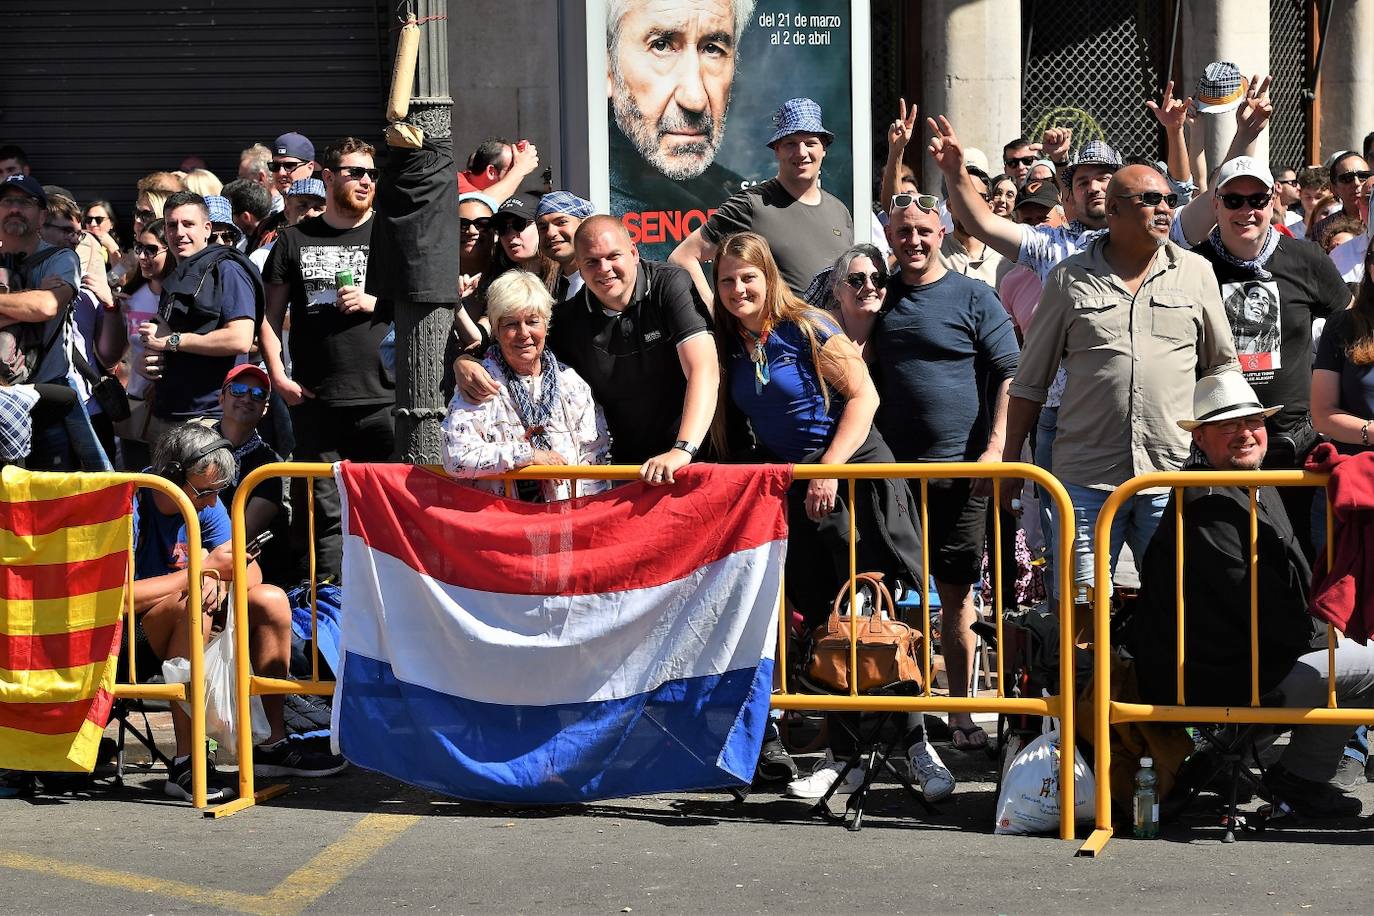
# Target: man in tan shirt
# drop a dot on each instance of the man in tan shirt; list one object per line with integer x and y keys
{"x": 1134, "y": 320}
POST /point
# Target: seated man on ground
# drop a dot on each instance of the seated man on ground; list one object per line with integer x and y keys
{"x": 1229, "y": 433}
{"x": 203, "y": 464}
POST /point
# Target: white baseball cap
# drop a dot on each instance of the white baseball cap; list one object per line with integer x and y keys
{"x": 1240, "y": 167}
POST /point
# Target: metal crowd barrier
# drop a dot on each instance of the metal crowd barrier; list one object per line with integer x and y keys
{"x": 1108, "y": 712}
{"x": 1060, "y": 706}
{"x": 172, "y": 692}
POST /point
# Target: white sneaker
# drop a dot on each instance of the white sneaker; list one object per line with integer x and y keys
{"x": 930, "y": 772}
{"x": 823, "y": 777}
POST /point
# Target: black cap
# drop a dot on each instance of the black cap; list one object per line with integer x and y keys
{"x": 1042, "y": 191}
{"x": 29, "y": 185}
{"x": 514, "y": 208}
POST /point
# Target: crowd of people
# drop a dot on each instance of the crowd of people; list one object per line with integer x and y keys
{"x": 1101, "y": 315}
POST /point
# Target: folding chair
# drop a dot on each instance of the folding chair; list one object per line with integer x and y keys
{"x": 123, "y": 710}
{"x": 1221, "y": 763}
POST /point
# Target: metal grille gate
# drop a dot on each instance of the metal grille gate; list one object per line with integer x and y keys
{"x": 886, "y": 29}
{"x": 1090, "y": 65}
{"x": 1289, "y": 44}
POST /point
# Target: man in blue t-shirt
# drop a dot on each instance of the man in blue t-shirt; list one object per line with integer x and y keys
{"x": 202, "y": 462}
{"x": 945, "y": 356}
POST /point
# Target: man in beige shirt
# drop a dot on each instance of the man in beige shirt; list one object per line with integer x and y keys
{"x": 1134, "y": 320}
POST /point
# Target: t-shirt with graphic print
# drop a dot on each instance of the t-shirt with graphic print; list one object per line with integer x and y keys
{"x": 336, "y": 356}
{"x": 1271, "y": 322}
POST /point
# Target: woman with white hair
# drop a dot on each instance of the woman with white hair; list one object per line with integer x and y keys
{"x": 544, "y": 414}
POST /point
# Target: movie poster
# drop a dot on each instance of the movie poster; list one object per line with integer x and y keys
{"x": 691, "y": 90}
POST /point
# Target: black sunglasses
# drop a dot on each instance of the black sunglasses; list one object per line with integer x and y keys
{"x": 148, "y": 251}
{"x": 239, "y": 389}
{"x": 93, "y": 220}
{"x": 1236, "y": 201}
{"x": 284, "y": 166}
{"x": 224, "y": 237}
{"x": 481, "y": 223}
{"x": 1019, "y": 160}
{"x": 1291, "y": 182}
{"x": 856, "y": 281}
{"x": 1152, "y": 198}
{"x": 145, "y": 216}
{"x": 512, "y": 224}
{"x": 1347, "y": 177}
{"x": 356, "y": 172}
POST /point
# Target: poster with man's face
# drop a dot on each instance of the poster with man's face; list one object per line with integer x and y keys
{"x": 691, "y": 89}
{"x": 1252, "y": 310}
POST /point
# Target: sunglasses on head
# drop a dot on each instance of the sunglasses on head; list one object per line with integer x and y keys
{"x": 1236, "y": 201}
{"x": 93, "y": 220}
{"x": 927, "y": 202}
{"x": 239, "y": 389}
{"x": 481, "y": 223}
{"x": 1347, "y": 177}
{"x": 283, "y": 166}
{"x": 1019, "y": 160}
{"x": 856, "y": 281}
{"x": 356, "y": 172}
{"x": 148, "y": 251}
{"x": 145, "y": 216}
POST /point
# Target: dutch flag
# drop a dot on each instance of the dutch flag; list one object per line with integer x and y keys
{"x": 618, "y": 644}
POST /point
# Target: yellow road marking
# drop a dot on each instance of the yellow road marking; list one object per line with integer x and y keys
{"x": 296, "y": 891}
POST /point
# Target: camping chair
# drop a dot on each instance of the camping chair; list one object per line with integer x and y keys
{"x": 123, "y": 710}
{"x": 1221, "y": 764}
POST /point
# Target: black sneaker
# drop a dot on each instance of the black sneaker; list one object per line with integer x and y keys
{"x": 289, "y": 758}
{"x": 775, "y": 764}
{"x": 1309, "y": 798}
{"x": 219, "y": 787}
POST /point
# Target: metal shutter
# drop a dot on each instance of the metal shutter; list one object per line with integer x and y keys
{"x": 101, "y": 92}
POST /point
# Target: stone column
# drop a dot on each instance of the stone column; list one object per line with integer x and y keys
{"x": 422, "y": 327}
{"x": 1234, "y": 30}
{"x": 1347, "y": 77}
{"x": 971, "y": 74}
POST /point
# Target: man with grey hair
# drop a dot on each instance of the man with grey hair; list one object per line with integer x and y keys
{"x": 201, "y": 462}
{"x": 253, "y": 165}
{"x": 670, "y": 69}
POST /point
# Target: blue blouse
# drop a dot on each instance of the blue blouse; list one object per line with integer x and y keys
{"x": 788, "y": 415}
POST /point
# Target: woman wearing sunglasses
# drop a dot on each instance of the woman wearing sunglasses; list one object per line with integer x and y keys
{"x": 809, "y": 399}
{"x": 858, "y": 281}
{"x": 517, "y": 246}
{"x": 153, "y": 191}
{"x": 140, "y": 300}
{"x": 98, "y": 220}
{"x": 1343, "y": 370}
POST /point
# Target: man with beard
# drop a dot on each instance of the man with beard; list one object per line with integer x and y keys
{"x": 340, "y": 393}
{"x": 670, "y": 69}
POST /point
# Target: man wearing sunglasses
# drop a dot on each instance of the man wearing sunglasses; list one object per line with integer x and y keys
{"x": 202, "y": 463}
{"x": 1273, "y": 288}
{"x": 339, "y": 391}
{"x": 1349, "y": 174}
{"x": 243, "y": 404}
{"x": 1017, "y": 158}
{"x": 293, "y": 157}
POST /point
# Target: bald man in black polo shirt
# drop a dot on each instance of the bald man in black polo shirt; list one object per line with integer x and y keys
{"x": 640, "y": 335}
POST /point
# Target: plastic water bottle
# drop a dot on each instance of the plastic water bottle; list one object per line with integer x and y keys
{"x": 1146, "y": 801}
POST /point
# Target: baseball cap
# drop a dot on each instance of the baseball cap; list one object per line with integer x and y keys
{"x": 306, "y": 187}
{"x": 294, "y": 144}
{"x": 256, "y": 371}
{"x": 976, "y": 160}
{"x": 28, "y": 184}
{"x": 514, "y": 208}
{"x": 1041, "y": 191}
{"x": 1243, "y": 166}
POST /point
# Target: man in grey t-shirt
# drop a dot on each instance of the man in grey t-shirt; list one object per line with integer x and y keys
{"x": 806, "y": 227}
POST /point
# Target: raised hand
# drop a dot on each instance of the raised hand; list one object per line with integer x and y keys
{"x": 944, "y": 147}
{"x": 1171, "y": 112}
{"x": 899, "y": 131}
{"x": 1055, "y": 143}
{"x": 1253, "y": 114}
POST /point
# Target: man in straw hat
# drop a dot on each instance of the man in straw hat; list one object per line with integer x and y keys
{"x": 1227, "y": 424}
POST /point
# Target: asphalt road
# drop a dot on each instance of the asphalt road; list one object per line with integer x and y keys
{"x": 360, "y": 843}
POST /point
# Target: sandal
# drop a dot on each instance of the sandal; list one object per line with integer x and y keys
{"x": 974, "y": 738}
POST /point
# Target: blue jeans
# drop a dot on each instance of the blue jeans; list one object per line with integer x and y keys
{"x": 1134, "y": 524}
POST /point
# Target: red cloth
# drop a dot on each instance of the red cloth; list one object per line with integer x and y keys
{"x": 1280, "y": 227}
{"x": 1344, "y": 594}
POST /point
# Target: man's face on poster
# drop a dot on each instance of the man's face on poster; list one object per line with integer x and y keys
{"x": 671, "y": 66}
{"x": 1256, "y": 304}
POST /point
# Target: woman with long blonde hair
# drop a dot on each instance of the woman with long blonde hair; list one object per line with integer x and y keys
{"x": 804, "y": 388}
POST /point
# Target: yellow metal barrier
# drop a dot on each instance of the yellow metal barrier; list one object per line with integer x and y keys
{"x": 1108, "y": 712}
{"x": 172, "y": 692}
{"x": 1060, "y": 706}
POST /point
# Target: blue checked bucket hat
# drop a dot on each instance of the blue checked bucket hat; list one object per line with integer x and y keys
{"x": 799, "y": 116}
{"x": 309, "y": 187}
{"x": 1094, "y": 152}
{"x": 220, "y": 209}
{"x": 1220, "y": 89}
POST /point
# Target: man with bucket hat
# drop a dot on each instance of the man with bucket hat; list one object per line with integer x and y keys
{"x": 1227, "y": 425}
{"x": 806, "y": 226}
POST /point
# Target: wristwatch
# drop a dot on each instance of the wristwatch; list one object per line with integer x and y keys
{"x": 685, "y": 446}
{"x": 173, "y": 343}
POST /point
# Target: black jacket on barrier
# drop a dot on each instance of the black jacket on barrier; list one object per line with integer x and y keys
{"x": 1216, "y": 523}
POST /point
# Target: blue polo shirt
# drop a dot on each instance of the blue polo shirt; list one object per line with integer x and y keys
{"x": 789, "y": 415}
{"x": 160, "y": 540}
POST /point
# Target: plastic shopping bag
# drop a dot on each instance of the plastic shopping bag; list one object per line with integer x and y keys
{"x": 221, "y": 697}
{"x": 1029, "y": 802}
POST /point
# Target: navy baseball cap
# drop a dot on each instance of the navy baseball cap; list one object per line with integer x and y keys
{"x": 29, "y": 185}
{"x": 294, "y": 144}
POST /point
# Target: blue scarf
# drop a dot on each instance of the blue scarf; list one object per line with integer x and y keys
{"x": 534, "y": 413}
{"x": 1256, "y": 267}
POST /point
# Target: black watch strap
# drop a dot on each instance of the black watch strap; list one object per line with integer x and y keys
{"x": 686, "y": 446}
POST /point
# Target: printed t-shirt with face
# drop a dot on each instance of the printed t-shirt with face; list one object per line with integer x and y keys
{"x": 1271, "y": 322}
{"x": 160, "y": 540}
{"x": 804, "y": 238}
{"x": 629, "y": 358}
{"x": 336, "y": 356}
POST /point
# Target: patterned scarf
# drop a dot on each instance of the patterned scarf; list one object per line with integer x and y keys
{"x": 1271, "y": 244}
{"x": 533, "y": 413}
{"x": 1076, "y": 228}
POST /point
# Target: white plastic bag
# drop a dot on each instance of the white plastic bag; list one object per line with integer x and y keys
{"x": 221, "y": 697}
{"x": 1029, "y": 802}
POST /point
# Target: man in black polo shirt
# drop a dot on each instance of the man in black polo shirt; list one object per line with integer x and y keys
{"x": 640, "y": 336}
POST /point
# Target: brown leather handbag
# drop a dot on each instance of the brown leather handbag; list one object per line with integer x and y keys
{"x": 889, "y": 650}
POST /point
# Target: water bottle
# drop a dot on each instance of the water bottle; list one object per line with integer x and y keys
{"x": 1146, "y": 801}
